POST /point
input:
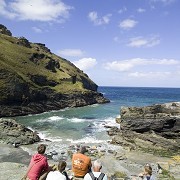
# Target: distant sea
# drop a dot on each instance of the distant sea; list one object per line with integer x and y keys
{"x": 86, "y": 124}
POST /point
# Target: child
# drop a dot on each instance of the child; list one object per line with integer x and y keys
{"x": 147, "y": 174}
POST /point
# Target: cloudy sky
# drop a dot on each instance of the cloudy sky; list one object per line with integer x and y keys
{"x": 116, "y": 42}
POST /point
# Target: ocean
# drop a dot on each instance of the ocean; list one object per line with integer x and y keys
{"x": 85, "y": 125}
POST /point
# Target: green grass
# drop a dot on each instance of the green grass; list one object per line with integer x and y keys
{"x": 15, "y": 59}
{"x": 160, "y": 152}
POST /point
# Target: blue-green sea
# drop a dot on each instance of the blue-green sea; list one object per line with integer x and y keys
{"x": 86, "y": 124}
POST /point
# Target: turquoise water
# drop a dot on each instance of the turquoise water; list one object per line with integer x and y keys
{"x": 86, "y": 124}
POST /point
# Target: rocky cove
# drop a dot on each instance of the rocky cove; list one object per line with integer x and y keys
{"x": 146, "y": 135}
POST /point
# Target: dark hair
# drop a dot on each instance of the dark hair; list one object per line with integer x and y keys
{"x": 41, "y": 149}
{"x": 61, "y": 166}
{"x": 148, "y": 169}
{"x": 83, "y": 149}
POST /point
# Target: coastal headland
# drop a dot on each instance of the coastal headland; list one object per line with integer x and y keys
{"x": 35, "y": 80}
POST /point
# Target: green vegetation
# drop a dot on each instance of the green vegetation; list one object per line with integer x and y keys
{"x": 118, "y": 175}
{"x": 166, "y": 175}
{"x": 159, "y": 152}
{"x": 38, "y": 68}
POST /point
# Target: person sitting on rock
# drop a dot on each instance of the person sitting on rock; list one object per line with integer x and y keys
{"x": 81, "y": 164}
{"x": 38, "y": 165}
{"x": 59, "y": 174}
{"x": 96, "y": 174}
{"x": 146, "y": 174}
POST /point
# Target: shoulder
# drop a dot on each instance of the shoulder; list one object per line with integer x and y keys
{"x": 55, "y": 174}
{"x": 87, "y": 177}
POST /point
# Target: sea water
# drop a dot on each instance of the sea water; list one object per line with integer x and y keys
{"x": 86, "y": 125}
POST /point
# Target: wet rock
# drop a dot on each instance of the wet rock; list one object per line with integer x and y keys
{"x": 12, "y": 132}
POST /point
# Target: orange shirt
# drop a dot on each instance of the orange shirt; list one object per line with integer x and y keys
{"x": 80, "y": 164}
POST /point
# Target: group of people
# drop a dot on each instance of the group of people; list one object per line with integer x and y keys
{"x": 82, "y": 168}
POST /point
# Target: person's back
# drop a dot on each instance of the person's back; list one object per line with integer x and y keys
{"x": 38, "y": 164}
{"x": 59, "y": 174}
{"x": 80, "y": 163}
{"x": 96, "y": 174}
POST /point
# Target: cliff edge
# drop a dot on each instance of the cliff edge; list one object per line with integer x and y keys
{"x": 34, "y": 80}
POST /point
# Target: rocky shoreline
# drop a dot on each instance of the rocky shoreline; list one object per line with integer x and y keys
{"x": 153, "y": 128}
{"x": 54, "y": 101}
{"x": 142, "y": 130}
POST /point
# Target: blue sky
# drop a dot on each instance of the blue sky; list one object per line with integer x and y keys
{"x": 116, "y": 42}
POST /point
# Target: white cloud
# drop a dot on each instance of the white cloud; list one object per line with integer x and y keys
{"x": 144, "y": 42}
{"x": 93, "y": 16}
{"x": 124, "y": 9}
{"x": 165, "y": 2}
{"x": 71, "y": 52}
{"x": 35, "y": 10}
{"x": 128, "y": 65}
{"x": 85, "y": 63}
{"x": 36, "y": 29}
{"x": 120, "y": 66}
{"x": 149, "y": 74}
{"x": 127, "y": 24}
{"x": 141, "y": 10}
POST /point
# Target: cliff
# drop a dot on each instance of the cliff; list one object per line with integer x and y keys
{"x": 34, "y": 80}
{"x": 153, "y": 128}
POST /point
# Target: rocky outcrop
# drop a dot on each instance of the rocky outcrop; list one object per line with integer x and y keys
{"x": 153, "y": 127}
{"x": 22, "y": 41}
{"x": 17, "y": 134}
{"x": 34, "y": 80}
{"x": 40, "y": 46}
{"x": 36, "y": 101}
{"x": 4, "y": 30}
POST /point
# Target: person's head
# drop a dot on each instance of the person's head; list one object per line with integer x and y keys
{"x": 62, "y": 166}
{"x": 97, "y": 165}
{"x": 83, "y": 149}
{"x": 41, "y": 149}
{"x": 148, "y": 169}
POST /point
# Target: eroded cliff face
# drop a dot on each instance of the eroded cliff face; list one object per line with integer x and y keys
{"x": 155, "y": 127}
{"x": 34, "y": 80}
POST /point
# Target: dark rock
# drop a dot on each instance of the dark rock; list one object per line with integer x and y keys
{"x": 153, "y": 127}
{"x": 36, "y": 57}
{"x": 4, "y": 30}
{"x": 88, "y": 84}
{"x": 16, "y": 134}
{"x": 43, "y": 47}
{"x": 52, "y": 65}
{"x": 23, "y": 42}
{"x": 42, "y": 80}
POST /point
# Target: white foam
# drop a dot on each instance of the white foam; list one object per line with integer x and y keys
{"x": 55, "y": 118}
{"x": 111, "y": 121}
{"x": 76, "y": 120}
{"x": 88, "y": 140}
{"x": 51, "y": 119}
{"x": 94, "y": 105}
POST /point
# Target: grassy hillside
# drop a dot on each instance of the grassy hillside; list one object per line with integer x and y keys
{"x": 34, "y": 80}
{"x": 34, "y": 61}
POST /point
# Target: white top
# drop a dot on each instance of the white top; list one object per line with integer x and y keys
{"x": 96, "y": 174}
{"x": 55, "y": 175}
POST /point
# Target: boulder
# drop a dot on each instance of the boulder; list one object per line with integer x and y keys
{"x": 4, "y": 30}
{"x": 17, "y": 134}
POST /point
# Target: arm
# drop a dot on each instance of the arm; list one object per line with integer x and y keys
{"x": 31, "y": 164}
